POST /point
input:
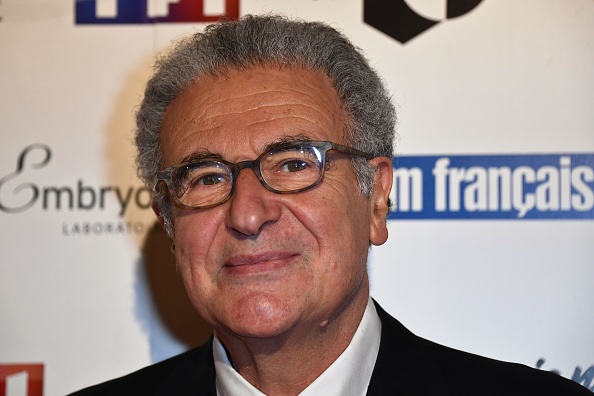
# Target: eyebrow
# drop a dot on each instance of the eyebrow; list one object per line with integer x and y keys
{"x": 207, "y": 154}
{"x": 286, "y": 140}
{"x": 200, "y": 155}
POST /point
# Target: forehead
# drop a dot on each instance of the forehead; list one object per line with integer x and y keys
{"x": 236, "y": 115}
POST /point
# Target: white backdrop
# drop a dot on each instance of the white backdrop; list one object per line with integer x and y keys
{"x": 508, "y": 77}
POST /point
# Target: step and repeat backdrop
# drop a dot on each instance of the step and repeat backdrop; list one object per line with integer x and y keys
{"x": 491, "y": 246}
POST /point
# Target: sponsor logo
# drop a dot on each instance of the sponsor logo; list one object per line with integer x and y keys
{"x": 582, "y": 377}
{"x": 556, "y": 186}
{"x": 154, "y": 11}
{"x": 400, "y": 19}
{"x": 19, "y": 192}
{"x": 21, "y": 379}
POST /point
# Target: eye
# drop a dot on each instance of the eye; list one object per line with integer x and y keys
{"x": 294, "y": 166}
{"x": 201, "y": 175}
{"x": 209, "y": 180}
{"x": 206, "y": 179}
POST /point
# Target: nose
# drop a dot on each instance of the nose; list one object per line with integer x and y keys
{"x": 252, "y": 206}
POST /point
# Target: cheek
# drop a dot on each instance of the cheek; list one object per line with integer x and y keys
{"x": 340, "y": 226}
{"x": 339, "y": 219}
{"x": 194, "y": 233}
{"x": 193, "y": 236}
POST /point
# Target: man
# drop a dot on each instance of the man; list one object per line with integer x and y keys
{"x": 269, "y": 145}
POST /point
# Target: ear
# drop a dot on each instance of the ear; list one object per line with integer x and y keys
{"x": 378, "y": 205}
{"x": 157, "y": 210}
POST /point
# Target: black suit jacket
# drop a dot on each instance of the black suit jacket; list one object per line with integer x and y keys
{"x": 406, "y": 365}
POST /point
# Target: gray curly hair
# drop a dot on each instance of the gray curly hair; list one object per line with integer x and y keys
{"x": 260, "y": 41}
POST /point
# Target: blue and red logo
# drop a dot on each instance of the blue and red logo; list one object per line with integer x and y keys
{"x": 92, "y": 12}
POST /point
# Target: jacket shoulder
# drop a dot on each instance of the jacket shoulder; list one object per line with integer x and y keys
{"x": 407, "y": 362}
{"x": 471, "y": 374}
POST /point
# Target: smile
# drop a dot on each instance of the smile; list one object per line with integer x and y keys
{"x": 258, "y": 263}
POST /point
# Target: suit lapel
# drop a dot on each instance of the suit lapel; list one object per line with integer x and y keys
{"x": 404, "y": 365}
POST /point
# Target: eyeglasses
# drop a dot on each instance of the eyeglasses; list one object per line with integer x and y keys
{"x": 284, "y": 169}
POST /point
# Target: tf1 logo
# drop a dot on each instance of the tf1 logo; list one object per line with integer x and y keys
{"x": 93, "y": 12}
{"x": 21, "y": 379}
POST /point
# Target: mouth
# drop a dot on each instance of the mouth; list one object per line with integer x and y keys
{"x": 246, "y": 264}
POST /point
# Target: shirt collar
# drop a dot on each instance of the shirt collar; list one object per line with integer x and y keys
{"x": 349, "y": 374}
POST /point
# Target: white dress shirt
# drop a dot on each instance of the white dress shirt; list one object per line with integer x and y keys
{"x": 349, "y": 375}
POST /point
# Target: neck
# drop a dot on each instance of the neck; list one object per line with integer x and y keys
{"x": 276, "y": 365}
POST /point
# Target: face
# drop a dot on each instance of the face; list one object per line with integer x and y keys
{"x": 265, "y": 264}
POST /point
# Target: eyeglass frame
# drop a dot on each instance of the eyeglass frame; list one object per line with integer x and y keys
{"x": 166, "y": 175}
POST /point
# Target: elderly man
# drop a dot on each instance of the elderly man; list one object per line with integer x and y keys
{"x": 269, "y": 145}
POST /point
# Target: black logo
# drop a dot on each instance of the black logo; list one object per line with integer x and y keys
{"x": 18, "y": 193}
{"x": 28, "y": 190}
{"x": 396, "y": 19}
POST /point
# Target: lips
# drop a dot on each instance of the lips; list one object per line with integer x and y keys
{"x": 248, "y": 263}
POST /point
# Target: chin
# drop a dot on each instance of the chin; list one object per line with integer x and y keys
{"x": 261, "y": 316}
